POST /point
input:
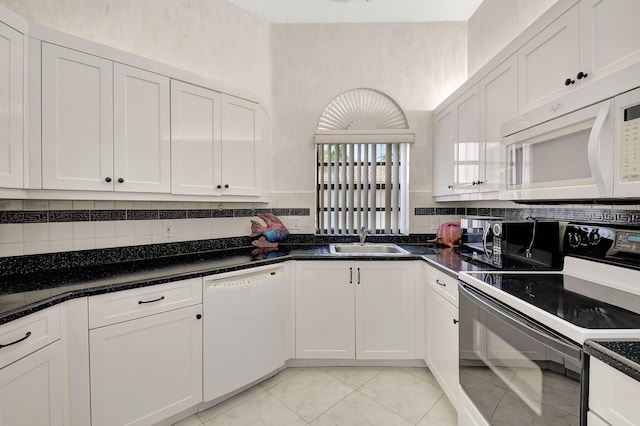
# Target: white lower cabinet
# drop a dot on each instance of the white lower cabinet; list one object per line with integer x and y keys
{"x": 146, "y": 362}
{"x": 32, "y": 388}
{"x": 33, "y": 381}
{"x": 441, "y": 328}
{"x": 613, "y": 396}
{"x": 361, "y": 310}
{"x": 148, "y": 369}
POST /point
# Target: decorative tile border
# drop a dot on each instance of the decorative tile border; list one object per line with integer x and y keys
{"x": 54, "y": 216}
{"x": 603, "y": 216}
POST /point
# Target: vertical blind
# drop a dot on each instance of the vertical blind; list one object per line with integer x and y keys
{"x": 360, "y": 185}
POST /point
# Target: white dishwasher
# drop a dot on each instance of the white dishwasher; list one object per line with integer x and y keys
{"x": 243, "y": 328}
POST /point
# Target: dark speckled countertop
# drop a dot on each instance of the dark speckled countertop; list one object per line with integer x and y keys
{"x": 623, "y": 355}
{"x": 25, "y": 293}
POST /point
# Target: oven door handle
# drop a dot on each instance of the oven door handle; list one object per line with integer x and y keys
{"x": 520, "y": 322}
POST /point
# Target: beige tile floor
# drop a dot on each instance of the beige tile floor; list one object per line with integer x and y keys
{"x": 336, "y": 396}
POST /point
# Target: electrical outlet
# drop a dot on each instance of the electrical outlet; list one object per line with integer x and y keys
{"x": 167, "y": 229}
{"x": 293, "y": 224}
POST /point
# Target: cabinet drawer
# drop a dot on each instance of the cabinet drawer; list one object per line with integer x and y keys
{"x": 28, "y": 334}
{"x": 444, "y": 284}
{"x": 125, "y": 305}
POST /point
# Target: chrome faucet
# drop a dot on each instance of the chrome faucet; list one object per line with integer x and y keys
{"x": 363, "y": 235}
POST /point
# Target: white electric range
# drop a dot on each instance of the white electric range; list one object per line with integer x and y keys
{"x": 521, "y": 332}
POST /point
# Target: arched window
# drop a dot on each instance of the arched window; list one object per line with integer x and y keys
{"x": 362, "y": 152}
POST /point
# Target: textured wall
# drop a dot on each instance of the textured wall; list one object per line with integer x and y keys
{"x": 207, "y": 37}
{"x": 496, "y": 23}
{"x": 418, "y": 65}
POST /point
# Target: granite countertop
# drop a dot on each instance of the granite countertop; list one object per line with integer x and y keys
{"x": 623, "y": 354}
{"x": 22, "y": 294}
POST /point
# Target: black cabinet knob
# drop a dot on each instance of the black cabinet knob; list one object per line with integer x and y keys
{"x": 569, "y": 82}
{"x": 120, "y": 180}
{"x": 219, "y": 186}
{"x": 455, "y": 321}
{"x": 107, "y": 179}
{"x": 199, "y": 316}
{"x": 227, "y": 186}
{"x": 450, "y": 186}
{"x": 581, "y": 75}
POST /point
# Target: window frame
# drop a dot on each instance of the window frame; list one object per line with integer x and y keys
{"x": 399, "y": 225}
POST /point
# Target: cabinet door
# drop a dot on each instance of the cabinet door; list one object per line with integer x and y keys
{"x": 443, "y": 343}
{"x": 11, "y": 107}
{"x": 195, "y": 140}
{"x": 385, "y": 310}
{"x": 145, "y": 370}
{"x": 613, "y": 395}
{"x": 240, "y": 144}
{"x": 77, "y": 120}
{"x": 325, "y": 310}
{"x": 142, "y": 153}
{"x": 499, "y": 103}
{"x": 609, "y": 37}
{"x": 32, "y": 389}
{"x": 445, "y": 135}
{"x": 467, "y": 147}
{"x": 548, "y": 60}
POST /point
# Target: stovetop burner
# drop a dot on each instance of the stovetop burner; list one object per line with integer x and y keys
{"x": 580, "y": 302}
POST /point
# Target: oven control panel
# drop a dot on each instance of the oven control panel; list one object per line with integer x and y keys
{"x": 627, "y": 241}
{"x": 600, "y": 242}
{"x": 586, "y": 240}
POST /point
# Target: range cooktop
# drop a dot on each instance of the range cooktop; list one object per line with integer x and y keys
{"x": 582, "y": 303}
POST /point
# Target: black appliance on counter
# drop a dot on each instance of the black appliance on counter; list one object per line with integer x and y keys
{"x": 530, "y": 244}
{"x": 521, "y": 333}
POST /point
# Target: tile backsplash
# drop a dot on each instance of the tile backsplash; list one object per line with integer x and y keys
{"x": 588, "y": 214}
{"x": 37, "y": 227}
{"x": 48, "y": 227}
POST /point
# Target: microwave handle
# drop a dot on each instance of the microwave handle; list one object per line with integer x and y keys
{"x": 593, "y": 149}
{"x": 485, "y": 235}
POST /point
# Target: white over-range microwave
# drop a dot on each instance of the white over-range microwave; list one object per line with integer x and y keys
{"x": 589, "y": 154}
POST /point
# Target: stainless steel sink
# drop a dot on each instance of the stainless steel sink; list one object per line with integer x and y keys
{"x": 366, "y": 249}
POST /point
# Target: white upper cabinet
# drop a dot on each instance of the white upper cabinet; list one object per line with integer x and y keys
{"x": 609, "y": 36}
{"x": 141, "y": 145}
{"x": 214, "y": 143}
{"x": 549, "y": 62}
{"x": 105, "y": 126}
{"x": 195, "y": 140}
{"x": 592, "y": 40}
{"x": 445, "y": 135}
{"x": 240, "y": 142}
{"x": 77, "y": 120}
{"x": 498, "y": 104}
{"x": 11, "y": 107}
{"x": 468, "y": 154}
{"x": 467, "y": 146}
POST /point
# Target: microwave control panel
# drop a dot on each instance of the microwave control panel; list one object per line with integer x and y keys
{"x": 630, "y": 144}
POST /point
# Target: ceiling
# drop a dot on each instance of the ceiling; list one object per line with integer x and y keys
{"x": 351, "y": 11}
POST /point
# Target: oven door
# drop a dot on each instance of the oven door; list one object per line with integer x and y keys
{"x": 514, "y": 370}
